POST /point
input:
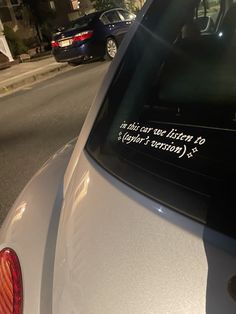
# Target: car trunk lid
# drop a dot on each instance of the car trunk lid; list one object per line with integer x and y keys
{"x": 120, "y": 252}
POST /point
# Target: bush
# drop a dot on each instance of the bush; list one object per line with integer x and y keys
{"x": 15, "y": 43}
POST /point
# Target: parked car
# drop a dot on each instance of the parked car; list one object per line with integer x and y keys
{"x": 141, "y": 217}
{"x": 92, "y": 36}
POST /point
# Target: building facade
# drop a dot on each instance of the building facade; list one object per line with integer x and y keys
{"x": 69, "y": 10}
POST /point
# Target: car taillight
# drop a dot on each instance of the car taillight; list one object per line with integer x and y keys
{"x": 83, "y": 36}
{"x": 54, "y": 44}
{"x": 11, "y": 289}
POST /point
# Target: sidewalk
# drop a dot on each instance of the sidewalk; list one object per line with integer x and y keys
{"x": 26, "y": 73}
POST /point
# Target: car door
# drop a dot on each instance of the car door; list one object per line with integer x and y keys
{"x": 113, "y": 24}
{"x": 127, "y": 19}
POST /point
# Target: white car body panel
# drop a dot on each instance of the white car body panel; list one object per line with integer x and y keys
{"x": 31, "y": 229}
{"x": 120, "y": 252}
{"x": 115, "y": 250}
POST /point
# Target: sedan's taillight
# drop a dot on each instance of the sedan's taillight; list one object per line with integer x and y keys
{"x": 54, "y": 44}
{"x": 83, "y": 36}
{"x": 11, "y": 289}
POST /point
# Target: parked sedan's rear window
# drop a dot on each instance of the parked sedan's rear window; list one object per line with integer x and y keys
{"x": 168, "y": 124}
{"x": 82, "y": 22}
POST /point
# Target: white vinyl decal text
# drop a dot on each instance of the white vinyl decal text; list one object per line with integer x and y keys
{"x": 171, "y": 140}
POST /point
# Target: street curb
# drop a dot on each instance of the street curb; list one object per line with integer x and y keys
{"x": 39, "y": 58}
{"x": 32, "y": 79}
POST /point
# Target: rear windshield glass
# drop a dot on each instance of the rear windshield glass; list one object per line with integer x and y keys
{"x": 82, "y": 22}
{"x": 167, "y": 125}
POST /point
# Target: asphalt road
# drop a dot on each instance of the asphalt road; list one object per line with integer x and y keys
{"x": 36, "y": 121}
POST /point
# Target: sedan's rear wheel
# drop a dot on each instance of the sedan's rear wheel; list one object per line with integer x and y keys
{"x": 74, "y": 63}
{"x": 111, "y": 48}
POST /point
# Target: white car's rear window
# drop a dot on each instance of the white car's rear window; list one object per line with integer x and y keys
{"x": 167, "y": 125}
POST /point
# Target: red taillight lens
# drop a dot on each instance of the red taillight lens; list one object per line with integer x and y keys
{"x": 11, "y": 290}
{"x": 54, "y": 44}
{"x": 83, "y": 36}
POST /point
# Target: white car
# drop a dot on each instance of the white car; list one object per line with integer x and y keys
{"x": 140, "y": 218}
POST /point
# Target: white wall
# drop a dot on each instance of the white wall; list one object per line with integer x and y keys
{"x": 4, "y": 45}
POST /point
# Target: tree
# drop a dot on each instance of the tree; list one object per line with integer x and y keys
{"x": 15, "y": 43}
{"x": 42, "y": 17}
{"x": 107, "y": 4}
{"x": 11, "y": 11}
{"x": 134, "y": 5}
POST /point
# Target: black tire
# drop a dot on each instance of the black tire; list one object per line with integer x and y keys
{"x": 74, "y": 63}
{"x": 111, "y": 48}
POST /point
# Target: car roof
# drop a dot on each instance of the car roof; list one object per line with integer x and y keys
{"x": 94, "y": 15}
{"x": 98, "y": 13}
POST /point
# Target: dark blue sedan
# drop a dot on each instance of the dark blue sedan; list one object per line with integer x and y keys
{"x": 92, "y": 36}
